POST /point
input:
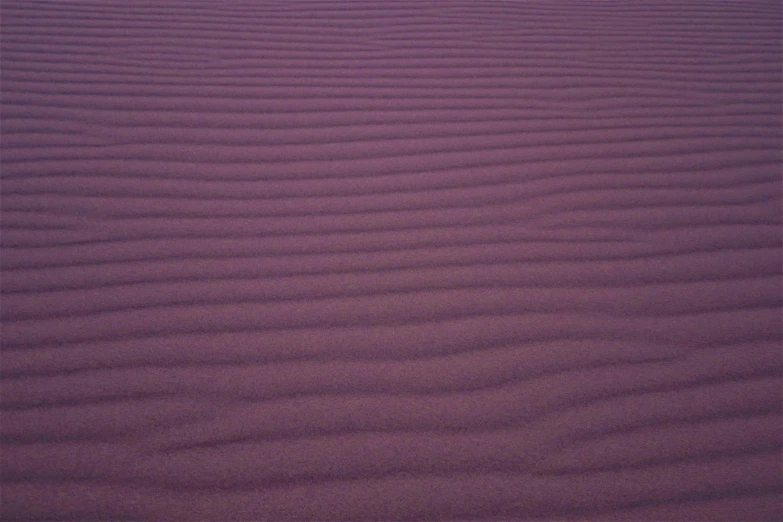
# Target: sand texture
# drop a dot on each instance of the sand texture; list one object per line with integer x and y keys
{"x": 404, "y": 260}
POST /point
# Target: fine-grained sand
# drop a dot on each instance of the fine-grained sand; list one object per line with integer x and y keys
{"x": 364, "y": 260}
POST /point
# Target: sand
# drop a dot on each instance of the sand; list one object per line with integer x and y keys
{"x": 356, "y": 260}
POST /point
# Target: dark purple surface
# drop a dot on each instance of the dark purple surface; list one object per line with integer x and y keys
{"x": 391, "y": 260}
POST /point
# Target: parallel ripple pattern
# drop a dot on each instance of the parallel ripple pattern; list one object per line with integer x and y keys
{"x": 359, "y": 260}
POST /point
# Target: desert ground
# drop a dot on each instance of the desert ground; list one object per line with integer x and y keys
{"x": 366, "y": 260}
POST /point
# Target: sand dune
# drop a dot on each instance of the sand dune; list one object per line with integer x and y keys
{"x": 355, "y": 260}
